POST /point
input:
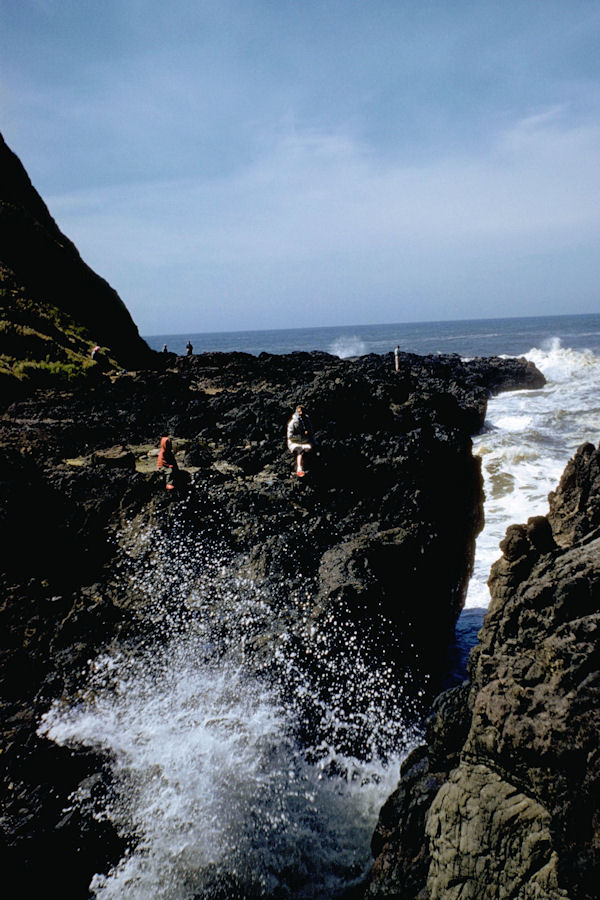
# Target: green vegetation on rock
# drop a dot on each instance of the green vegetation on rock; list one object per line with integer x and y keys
{"x": 39, "y": 343}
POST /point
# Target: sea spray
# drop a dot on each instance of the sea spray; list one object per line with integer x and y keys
{"x": 527, "y": 440}
{"x": 250, "y": 751}
{"x": 348, "y": 346}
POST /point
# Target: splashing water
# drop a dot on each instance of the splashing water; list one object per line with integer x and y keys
{"x": 211, "y": 784}
{"x": 348, "y": 346}
{"x": 218, "y": 784}
{"x": 528, "y": 438}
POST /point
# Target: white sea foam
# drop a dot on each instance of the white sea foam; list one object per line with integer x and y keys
{"x": 528, "y": 439}
{"x": 211, "y": 783}
{"x": 512, "y": 422}
{"x": 348, "y": 346}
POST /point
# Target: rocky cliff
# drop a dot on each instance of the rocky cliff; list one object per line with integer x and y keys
{"x": 503, "y": 800}
{"x": 372, "y": 546}
{"x": 53, "y": 307}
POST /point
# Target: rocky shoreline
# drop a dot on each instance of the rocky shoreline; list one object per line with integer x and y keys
{"x": 388, "y": 515}
{"x": 502, "y": 801}
{"x": 366, "y": 559}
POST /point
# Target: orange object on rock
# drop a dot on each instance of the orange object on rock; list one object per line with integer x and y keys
{"x": 166, "y": 457}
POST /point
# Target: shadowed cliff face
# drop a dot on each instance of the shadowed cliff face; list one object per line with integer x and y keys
{"x": 46, "y": 267}
{"x": 503, "y": 801}
{"x": 380, "y": 533}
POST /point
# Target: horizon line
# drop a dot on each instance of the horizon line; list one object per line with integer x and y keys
{"x": 184, "y": 334}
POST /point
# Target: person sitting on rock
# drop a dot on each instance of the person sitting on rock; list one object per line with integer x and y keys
{"x": 167, "y": 462}
{"x": 300, "y": 438}
{"x": 189, "y": 348}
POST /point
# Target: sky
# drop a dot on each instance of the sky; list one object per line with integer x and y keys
{"x": 251, "y": 164}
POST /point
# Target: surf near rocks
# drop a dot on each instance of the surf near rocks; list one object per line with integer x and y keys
{"x": 379, "y": 536}
{"x": 502, "y": 800}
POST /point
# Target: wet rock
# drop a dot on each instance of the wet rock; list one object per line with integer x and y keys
{"x": 517, "y": 812}
{"x": 575, "y": 505}
{"x": 380, "y": 533}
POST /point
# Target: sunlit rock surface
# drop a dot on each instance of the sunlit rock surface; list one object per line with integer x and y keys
{"x": 361, "y": 563}
{"x": 503, "y": 801}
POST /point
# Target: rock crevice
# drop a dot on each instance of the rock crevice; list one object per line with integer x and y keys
{"x": 386, "y": 517}
{"x": 517, "y": 811}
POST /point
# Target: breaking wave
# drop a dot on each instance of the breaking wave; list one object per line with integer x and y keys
{"x": 528, "y": 438}
{"x": 346, "y": 347}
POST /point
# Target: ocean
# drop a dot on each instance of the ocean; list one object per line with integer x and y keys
{"x": 476, "y": 337}
{"x": 528, "y": 437}
{"x": 207, "y": 784}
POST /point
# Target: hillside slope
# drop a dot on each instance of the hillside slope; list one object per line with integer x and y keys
{"x": 53, "y": 307}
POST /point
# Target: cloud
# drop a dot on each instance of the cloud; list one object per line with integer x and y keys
{"x": 317, "y": 193}
{"x": 265, "y": 163}
{"x": 320, "y": 213}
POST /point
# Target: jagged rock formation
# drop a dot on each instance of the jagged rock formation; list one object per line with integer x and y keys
{"x": 388, "y": 515}
{"x": 47, "y": 292}
{"x": 503, "y": 801}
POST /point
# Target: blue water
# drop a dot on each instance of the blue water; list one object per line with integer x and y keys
{"x": 474, "y": 337}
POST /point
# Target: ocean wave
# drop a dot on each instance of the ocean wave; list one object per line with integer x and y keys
{"x": 462, "y": 337}
{"x": 560, "y": 364}
{"x": 345, "y": 347}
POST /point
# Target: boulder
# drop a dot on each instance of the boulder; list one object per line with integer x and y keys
{"x": 517, "y": 812}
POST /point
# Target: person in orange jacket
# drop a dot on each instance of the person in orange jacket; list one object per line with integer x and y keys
{"x": 167, "y": 461}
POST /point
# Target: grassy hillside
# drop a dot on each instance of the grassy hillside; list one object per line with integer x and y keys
{"x": 53, "y": 306}
{"x": 39, "y": 343}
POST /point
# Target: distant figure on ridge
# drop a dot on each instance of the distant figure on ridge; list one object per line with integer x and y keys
{"x": 189, "y": 348}
{"x": 164, "y": 349}
{"x": 397, "y": 358}
{"x": 300, "y": 437}
{"x": 167, "y": 461}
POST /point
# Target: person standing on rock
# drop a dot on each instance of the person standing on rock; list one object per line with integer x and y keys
{"x": 300, "y": 438}
{"x": 397, "y": 358}
{"x": 167, "y": 462}
{"x": 189, "y": 348}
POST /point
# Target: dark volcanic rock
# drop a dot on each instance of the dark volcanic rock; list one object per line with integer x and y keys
{"x": 48, "y": 266}
{"x": 380, "y": 534}
{"x": 517, "y": 814}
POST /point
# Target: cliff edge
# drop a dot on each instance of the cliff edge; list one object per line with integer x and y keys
{"x": 351, "y": 563}
{"x": 503, "y": 800}
{"x": 53, "y": 307}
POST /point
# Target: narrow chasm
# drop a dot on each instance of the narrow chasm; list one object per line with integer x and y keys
{"x": 209, "y": 690}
